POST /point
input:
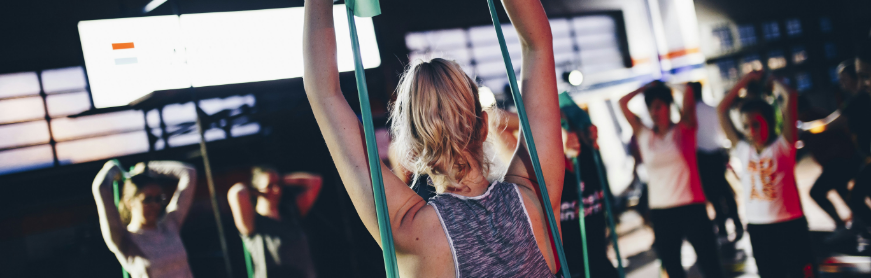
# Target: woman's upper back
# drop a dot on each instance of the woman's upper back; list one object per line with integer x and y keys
{"x": 491, "y": 235}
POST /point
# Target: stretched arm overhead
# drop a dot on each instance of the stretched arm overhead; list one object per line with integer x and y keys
{"x": 239, "y": 198}
{"x": 114, "y": 232}
{"x": 311, "y": 187}
{"x": 540, "y": 97}
{"x": 178, "y": 206}
{"x": 343, "y": 132}
{"x": 688, "y": 109}
{"x": 726, "y": 104}
{"x": 633, "y": 119}
{"x": 789, "y": 110}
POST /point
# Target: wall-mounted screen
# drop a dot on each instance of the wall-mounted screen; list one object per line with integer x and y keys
{"x": 131, "y": 57}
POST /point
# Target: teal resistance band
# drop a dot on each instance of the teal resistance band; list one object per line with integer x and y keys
{"x": 249, "y": 265}
{"x": 530, "y": 142}
{"x": 117, "y": 196}
{"x": 370, "y": 8}
{"x": 581, "y": 214}
{"x": 580, "y": 120}
{"x": 607, "y": 188}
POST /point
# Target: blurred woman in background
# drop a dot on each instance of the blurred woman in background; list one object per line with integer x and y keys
{"x": 267, "y": 213}
{"x": 677, "y": 201}
{"x": 142, "y": 233}
{"x": 776, "y": 223}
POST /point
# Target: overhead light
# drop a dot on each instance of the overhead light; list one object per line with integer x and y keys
{"x": 486, "y": 96}
{"x": 152, "y": 5}
{"x": 574, "y": 77}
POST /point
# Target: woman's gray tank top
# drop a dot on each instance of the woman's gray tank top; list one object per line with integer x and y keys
{"x": 490, "y": 235}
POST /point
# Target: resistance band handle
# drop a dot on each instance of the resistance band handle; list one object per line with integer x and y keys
{"x": 581, "y": 214}
{"x": 607, "y": 188}
{"x": 530, "y": 142}
{"x": 387, "y": 249}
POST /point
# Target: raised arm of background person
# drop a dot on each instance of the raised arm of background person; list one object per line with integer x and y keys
{"x": 178, "y": 206}
{"x": 504, "y": 131}
{"x": 688, "y": 109}
{"x": 311, "y": 187}
{"x": 344, "y": 137}
{"x": 789, "y": 110}
{"x": 832, "y": 121}
{"x": 113, "y": 230}
{"x": 633, "y": 119}
{"x": 540, "y": 98}
{"x": 239, "y": 198}
{"x": 726, "y": 105}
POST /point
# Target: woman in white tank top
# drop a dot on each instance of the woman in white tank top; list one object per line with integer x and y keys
{"x": 676, "y": 198}
{"x": 775, "y": 221}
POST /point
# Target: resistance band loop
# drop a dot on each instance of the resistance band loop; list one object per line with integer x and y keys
{"x": 116, "y": 192}
{"x": 530, "y": 143}
{"x": 384, "y": 229}
{"x": 607, "y": 188}
{"x": 581, "y": 214}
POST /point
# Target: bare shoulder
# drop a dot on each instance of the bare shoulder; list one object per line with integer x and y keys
{"x": 422, "y": 246}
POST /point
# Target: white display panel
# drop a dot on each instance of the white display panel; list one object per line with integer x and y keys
{"x": 208, "y": 49}
{"x": 131, "y": 57}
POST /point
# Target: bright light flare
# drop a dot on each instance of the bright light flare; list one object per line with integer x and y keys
{"x": 486, "y": 96}
{"x": 576, "y": 78}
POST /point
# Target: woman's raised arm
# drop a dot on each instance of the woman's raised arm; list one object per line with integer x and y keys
{"x": 688, "y": 109}
{"x": 539, "y": 92}
{"x": 342, "y": 131}
{"x": 633, "y": 119}
{"x": 178, "y": 206}
{"x": 110, "y": 220}
{"x": 239, "y": 198}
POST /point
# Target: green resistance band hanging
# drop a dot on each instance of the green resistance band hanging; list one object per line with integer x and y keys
{"x": 581, "y": 215}
{"x": 580, "y": 120}
{"x": 249, "y": 264}
{"x": 116, "y": 193}
{"x": 607, "y": 188}
{"x": 370, "y": 8}
{"x": 530, "y": 142}
{"x": 566, "y": 106}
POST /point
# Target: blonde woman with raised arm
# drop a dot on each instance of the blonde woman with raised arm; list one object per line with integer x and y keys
{"x": 474, "y": 227}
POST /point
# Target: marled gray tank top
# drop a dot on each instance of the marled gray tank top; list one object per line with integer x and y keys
{"x": 490, "y": 235}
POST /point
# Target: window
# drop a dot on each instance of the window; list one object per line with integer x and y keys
{"x": 825, "y": 24}
{"x": 831, "y": 50}
{"x": 776, "y": 59}
{"x": 771, "y": 30}
{"x": 588, "y": 43}
{"x": 27, "y": 144}
{"x": 793, "y": 27}
{"x": 728, "y": 70}
{"x": 799, "y": 54}
{"x": 803, "y": 81}
{"x": 750, "y": 63}
{"x": 723, "y": 35}
{"x": 747, "y": 34}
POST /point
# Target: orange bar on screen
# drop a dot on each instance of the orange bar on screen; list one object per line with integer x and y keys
{"x": 123, "y": 45}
